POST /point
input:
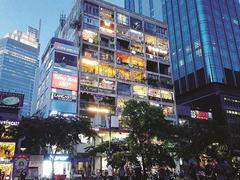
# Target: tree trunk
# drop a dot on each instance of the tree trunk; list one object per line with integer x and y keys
{"x": 52, "y": 161}
{"x": 144, "y": 168}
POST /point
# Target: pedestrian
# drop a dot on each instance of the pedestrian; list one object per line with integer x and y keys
{"x": 110, "y": 170}
{"x": 137, "y": 171}
{"x": 23, "y": 175}
{"x": 121, "y": 171}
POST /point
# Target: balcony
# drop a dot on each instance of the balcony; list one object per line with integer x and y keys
{"x": 123, "y": 45}
{"x": 107, "y": 42}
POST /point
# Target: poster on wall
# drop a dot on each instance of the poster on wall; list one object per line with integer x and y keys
{"x": 7, "y": 168}
{"x": 20, "y": 164}
{"x": 64, "y": 81}
{"x": 7, "y": 149}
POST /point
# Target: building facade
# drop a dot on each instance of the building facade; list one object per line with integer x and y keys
{"x": 122, "y": 56}
{"x": 18, "y": 63}
{"x": 150, "y": 8}
{"x": 58, "y": 79}
{"x": 204, "y": 38}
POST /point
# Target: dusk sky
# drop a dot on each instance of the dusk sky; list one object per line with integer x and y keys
{"x": 19, "y": 14}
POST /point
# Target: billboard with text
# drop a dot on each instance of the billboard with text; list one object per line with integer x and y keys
{"x": 64, "y": 81}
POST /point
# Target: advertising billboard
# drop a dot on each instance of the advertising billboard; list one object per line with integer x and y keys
{"x": 11, "y": 100}
{"x": 64, "y": 81}
{"x": 201, "y": 115}
{"x": 7, "y": 149}
{"x": 21, "y": 164}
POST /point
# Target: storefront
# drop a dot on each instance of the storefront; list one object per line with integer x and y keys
{"x": 62, "y": 166}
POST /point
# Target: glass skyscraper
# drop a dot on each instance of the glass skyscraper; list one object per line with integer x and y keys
{"x": 150, "y": 8}
{"x": 18, "y": 63}
{"x": 204, "y": 38}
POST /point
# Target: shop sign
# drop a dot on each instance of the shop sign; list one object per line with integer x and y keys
{"x": 66, "y": 48}
{"x": 9, "y": 122}
{"x": 201, "y": 115}
{"x": 63, "y": 81}
{"x": 20, "y": 164}
{"x": 59, "y": 157}
{"x": 11, "y": 100}
{"x": 7, "y": 168}
{"x": 7, "y": 149}
{"x": 64, "y": 97}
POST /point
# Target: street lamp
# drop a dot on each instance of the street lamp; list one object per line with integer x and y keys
{"x": 107, "y": 112}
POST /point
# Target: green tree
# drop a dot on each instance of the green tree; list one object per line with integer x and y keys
{"x": 146, "y": 123}
{"x": 57, "y": 133}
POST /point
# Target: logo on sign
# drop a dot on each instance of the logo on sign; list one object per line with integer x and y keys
{"x": 63, "y": 97}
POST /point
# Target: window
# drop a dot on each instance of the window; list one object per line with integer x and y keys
{"x": 89, "y": 83}
{"x": 136, "y": 48}
{"x": 122, "y": 19}
{"x": 90, "y": 36}
{"x": 123, "y": 74}
{"x": 166, "y": 96}
{"x": 90, "y": 22}
{"x": 106, "y": 70}
{"x": 90, "y": 51}
{"x": 65, "y": 59}
{"x": 106, "y": 14}
{"x": 123, "y": 59}
{"x": 150, "y": 28}
{"x": 136, "y": 36}
{"x": 140, "y": 91}
{"x": 123, "y": 45}
{"x": 123, "y": 31}
{"x": 106, "y": 55}
{"x": 123, "y": 89}
{"x": 108, "y": 85}
{"x": 136, "y": 24}
{"x": 107, "y": 26}
{"x": 107, "y": 41}
{"x": 152, "y": 66}
{"x": 63, "y": 106}
{"x": 91, "y": 8}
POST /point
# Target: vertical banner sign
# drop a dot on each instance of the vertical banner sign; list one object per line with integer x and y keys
{"x": 20, "y": 164}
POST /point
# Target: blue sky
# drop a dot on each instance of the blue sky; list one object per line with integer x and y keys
{"x": 19, "y": 14}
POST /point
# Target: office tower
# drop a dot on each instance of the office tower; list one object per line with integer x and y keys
{"x": 18, "y": 63}
{"x": 58, "y": 79}
{"x": 122, "y": 56}
{"x": 204, "y": 38}
{"x": 150, "y": 8}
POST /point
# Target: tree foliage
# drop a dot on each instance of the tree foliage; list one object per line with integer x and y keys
{"x": 57, "y": 133}
{"x": 146, "y": 123}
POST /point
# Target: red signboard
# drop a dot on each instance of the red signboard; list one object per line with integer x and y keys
{"x": 201, "y": 115}
{"x": 63, "y": 81}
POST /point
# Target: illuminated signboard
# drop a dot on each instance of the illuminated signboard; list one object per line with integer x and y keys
{"x": 63, "y": 81}
{"x": 11, "y": 100}
{"x": 7, "y": 149}
{"x": 201, "y": 115}
{"x": 64, "y": 97}
{"x": 66, "y": 48}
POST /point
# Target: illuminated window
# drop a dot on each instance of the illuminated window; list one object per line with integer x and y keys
{"x": 166, "y": 95}
{"x": 90, "y": 36}
{"x": 154, "y": 94}
{"x": 107, "y": 26}
{"x": 168, "y": 110}
{"x": 138, "y": 62}
{"x": 137, "y": 48}
{"x": 123, "y": 74}
{"x": 137, "y": 76}
{"x": 106, "y": 55}
{"x": 106, "y": 70}
{"x": 150, "y": 40}
{"x": 122, "y": 19}
{"x": 90, "y": 51}
{"x": 106, "y": 84}
{"x": 136, "y": 36}
{"x": 140, "y": 91}
{"x": 89, "y": 66}
{"x": 88, "y": 83}
{"x": 106, "y": 14}
{"x": 123, "y": 59}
